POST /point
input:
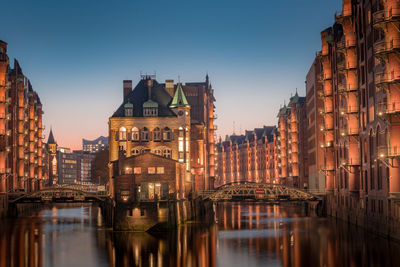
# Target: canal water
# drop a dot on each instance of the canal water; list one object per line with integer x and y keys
{"x": 245, "y": 234}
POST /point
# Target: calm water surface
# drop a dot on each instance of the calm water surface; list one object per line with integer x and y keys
{"x": 246, "y": 234}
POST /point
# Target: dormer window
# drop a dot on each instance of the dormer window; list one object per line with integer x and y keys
{"x": 150, "y": 109}
{"x": 128, "y": 109}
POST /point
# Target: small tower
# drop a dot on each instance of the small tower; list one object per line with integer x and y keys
{"x": 53, "y": 165}
{"x": 181, "y": 107}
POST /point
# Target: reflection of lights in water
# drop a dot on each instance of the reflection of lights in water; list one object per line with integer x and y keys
{"x": 136, "y": 253}
{"x": 151, "y": 259}
{"x": 291, "y": 238}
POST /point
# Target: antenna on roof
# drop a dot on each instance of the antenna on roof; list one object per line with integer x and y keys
{"x": 234, "y": 128}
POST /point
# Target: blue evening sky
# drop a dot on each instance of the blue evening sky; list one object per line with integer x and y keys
{"x": 76, "y": 54}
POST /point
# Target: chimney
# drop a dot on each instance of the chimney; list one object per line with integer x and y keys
{"x": 169, "y": 87}
{"x": 149, "y": 85}
{"x": 127, "y": 88}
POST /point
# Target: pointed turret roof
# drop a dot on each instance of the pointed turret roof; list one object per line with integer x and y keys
{"x": 51, "y": 138}
{"x": 179, "y": 99}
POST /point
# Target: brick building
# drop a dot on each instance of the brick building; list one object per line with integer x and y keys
{"x": 292, "y": 147}
{"x": 170, "y": 125}
{"x": 360, "y": 79}
{"x": 21, "y": 147}
{"x": 248, "y": 157}
{"x": 315, "y": 113}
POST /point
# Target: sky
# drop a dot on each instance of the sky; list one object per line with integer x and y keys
{"x": 77, "y": 53}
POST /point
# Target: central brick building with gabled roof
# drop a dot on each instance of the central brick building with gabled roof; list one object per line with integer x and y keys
{"x": 155, "y": 122}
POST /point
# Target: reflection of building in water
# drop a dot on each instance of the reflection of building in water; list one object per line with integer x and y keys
{"x": 187, "y": 246}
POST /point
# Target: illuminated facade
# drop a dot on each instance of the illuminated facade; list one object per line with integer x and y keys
{"x": 167, "y": 124}
{"x": 94, "y": 146}
{"x": 292, "y": 147}
{"x": 248, "y": 157}
{"x": 360, "y": 79}
{"x": 315, "y": 137}
{"x": 21, "y": 146}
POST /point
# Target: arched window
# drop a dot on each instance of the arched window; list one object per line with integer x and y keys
{"x": 137, "y": 150}
{"x": 135, "y": 134}
{"x": 157, "y": 151}
{"x": 167, "y": 134}
{"x": 145, "y": 134}
{"x": 122, "y": 133}
{"x": 157, "y": 134}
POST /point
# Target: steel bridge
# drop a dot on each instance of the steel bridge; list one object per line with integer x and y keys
{"x": 58, "y": 194}
{"x": 243, "y": 190}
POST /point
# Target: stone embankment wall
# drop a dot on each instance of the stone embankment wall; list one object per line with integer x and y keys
{"x": 358, "y": 212}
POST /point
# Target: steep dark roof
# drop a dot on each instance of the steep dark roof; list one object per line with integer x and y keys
{"x": 51, "y": 138}
{"x": 260, "y": 133}
{"x": 139, "y": 96}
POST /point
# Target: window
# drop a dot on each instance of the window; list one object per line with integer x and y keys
{"x": 157, "y": 134}
{"x": 157, "y": 152}
{"x": 128, "y": 170}
{"x": 122, "y": 133}
{"x": 136, "y": 151}
{"x": 145, "y": 134}
{"x": 166, "y": 134}
{"x": 167, "y": 153}
{"x": 137, "y": 170}
{"x": 151, "y": 170}
{"x": 135, "y": 134}
{"x": 160, "y": 170}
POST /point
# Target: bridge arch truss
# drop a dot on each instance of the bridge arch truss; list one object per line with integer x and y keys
{"x": 259, "y": 191}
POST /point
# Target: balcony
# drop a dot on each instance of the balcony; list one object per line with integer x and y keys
{"x": 341, "y": 45}
{"x": 346, "y": 13}
{"x": 327, "y": 168}
{"x": 379, "y": 18}
{"x": 389, "y": 152}
{"x": 325, "y": 110}
{"x": 383, "y": 47}
{"x": 382, "y": 78}
{"x": 388, "y": 108}
{"x": 352, "y": 131}
{"x": 351, "y": 162}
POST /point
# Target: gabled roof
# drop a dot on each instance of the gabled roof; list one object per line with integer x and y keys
{"x": 179, "y": 99}
{"x": 139, "y": 96}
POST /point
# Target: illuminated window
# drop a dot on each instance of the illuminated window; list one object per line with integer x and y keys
{"x": 166, "y": 134}
{"x": 160, "y": 170}
{"x": 180, "y": 145}
{"x": 122, "y": 133}
{"x": 157, "y": 152}
{"x": 128, "y": 170}
{"x": 137, "y": 170}
{"x": 151, "y": 170}
{"x": 135, "y": 134}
